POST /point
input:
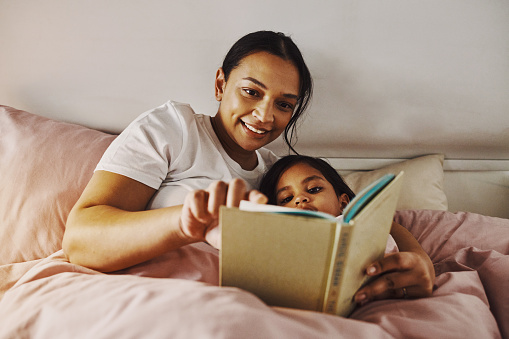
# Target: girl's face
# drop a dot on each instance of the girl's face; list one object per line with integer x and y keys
{"x": 302, "y": 186}
{"x": 257, "y": 102}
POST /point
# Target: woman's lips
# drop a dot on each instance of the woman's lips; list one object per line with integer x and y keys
{"x": 253, "y": 129}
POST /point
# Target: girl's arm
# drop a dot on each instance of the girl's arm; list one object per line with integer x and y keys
{"x": 408, "y": 273}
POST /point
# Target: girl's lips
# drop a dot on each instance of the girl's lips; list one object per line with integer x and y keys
{"x": 307, "y": 208}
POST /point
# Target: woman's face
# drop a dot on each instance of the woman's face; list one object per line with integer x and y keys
{"x": 257, "y": 101}
{"x": 302, "y": 186}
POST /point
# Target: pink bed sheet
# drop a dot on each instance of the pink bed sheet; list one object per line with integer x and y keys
{"x": 176, "y": 295}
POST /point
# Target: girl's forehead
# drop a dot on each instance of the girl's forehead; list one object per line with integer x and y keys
{"x": 299, "y": 171}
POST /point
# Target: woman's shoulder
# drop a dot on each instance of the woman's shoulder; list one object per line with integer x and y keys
{"x": 168, "y": 115}
{"x": 170, "y": 108}
{"x": 180, "y": 108}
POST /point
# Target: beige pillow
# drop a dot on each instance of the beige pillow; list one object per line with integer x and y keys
{"x": 423, "y": 183}
{"x": 44, "y": 167}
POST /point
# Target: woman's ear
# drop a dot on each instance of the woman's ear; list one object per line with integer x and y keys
{"x": 343, "y": 201}
{"x": 220, "y": 84}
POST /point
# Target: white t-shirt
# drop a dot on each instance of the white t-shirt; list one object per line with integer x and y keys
{"x": 174, "y": 150}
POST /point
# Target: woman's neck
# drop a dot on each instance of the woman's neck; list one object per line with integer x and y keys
{"x": 248, "y": 160}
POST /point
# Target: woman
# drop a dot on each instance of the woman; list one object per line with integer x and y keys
{"x": 131, "y": 209}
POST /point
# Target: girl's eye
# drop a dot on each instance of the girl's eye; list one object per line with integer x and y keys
{"x": 314, "y": 190}
{"x": 286, "y": 200}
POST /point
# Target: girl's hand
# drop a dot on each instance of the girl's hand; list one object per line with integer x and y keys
{"x": 200, "y": 214}
{"x": 400, "y": 275}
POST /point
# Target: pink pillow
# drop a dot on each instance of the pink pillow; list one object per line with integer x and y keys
{"x": 44, "y": 167}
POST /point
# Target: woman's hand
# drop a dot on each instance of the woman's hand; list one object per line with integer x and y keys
{"x": 400, "y": 275}
{"x": 200, "y": 214}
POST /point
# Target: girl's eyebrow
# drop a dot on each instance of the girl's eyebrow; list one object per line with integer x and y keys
{"x": 306, "y": 180}
{"x": 312, "y": 177}
{"x": 262, "y": 85}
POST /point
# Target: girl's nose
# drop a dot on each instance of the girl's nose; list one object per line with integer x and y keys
{"x": 301, "y": 199}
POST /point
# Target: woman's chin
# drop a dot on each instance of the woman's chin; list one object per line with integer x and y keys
{"x": 252, "y": 146}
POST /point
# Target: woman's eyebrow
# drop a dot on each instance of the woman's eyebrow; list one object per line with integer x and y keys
{"x": 262, "y": 85}
{"x": 259, "y": 83}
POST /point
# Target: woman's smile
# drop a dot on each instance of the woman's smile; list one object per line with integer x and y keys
{"x": 257, "y": 102}
{"x": 259, "y": 132}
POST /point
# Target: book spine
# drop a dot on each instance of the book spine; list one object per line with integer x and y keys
{"x": 337, "y": 269}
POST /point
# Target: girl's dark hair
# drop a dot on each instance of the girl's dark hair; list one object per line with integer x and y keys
{"x": 269, "y": 181}
{"x": 280, "y": 45}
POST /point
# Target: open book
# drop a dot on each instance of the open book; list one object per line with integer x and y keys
{"x": 305, "y": 259}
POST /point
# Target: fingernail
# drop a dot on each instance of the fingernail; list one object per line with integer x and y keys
{"x": 359, "y": 298}
{"x": 371, "y": 270}
{"x": 261, "y": 198}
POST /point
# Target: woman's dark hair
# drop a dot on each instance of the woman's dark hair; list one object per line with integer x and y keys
{"x": 280, "y": 45}
{"x": 269, "y": 181}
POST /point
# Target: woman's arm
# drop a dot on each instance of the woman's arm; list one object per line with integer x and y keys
{"x": 108, "y": 228}
{"x": 411, "y": 269}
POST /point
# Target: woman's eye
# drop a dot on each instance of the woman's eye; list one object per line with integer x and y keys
{"x": 250, "y": 92}
{"x": 286, "y": 106}
{"x": 314, "y": 190}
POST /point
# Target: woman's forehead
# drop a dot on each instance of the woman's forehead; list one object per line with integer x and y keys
{"x": 270, "y": 70}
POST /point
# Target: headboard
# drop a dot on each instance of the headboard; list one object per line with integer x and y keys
{"x": 393, "y": 80}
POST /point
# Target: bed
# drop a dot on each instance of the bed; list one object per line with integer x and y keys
{"x": 46, "y": 164}
{"x": 419, "y": 86}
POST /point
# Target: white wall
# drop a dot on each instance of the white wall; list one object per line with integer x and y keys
{"x": 393, "y": 78}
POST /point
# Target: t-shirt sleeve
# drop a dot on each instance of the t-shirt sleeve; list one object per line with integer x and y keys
{"x": 143, "y": 151}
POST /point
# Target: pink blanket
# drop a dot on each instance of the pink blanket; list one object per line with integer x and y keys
{"x": 176, "y": 295}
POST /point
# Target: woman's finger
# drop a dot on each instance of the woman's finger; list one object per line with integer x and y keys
{"x": 197, "y": 202}
{"x": 217, "y": 196}
{"x": 256, "y": 197}
{"x": 236, "y": 192}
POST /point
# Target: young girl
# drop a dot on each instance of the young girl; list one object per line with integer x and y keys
{"x": 310, "y": 183}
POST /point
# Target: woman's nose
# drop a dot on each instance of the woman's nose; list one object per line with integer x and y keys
{"x": 264, "y": 112}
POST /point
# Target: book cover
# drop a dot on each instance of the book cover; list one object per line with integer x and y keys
{"x": 305, "y": 259}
